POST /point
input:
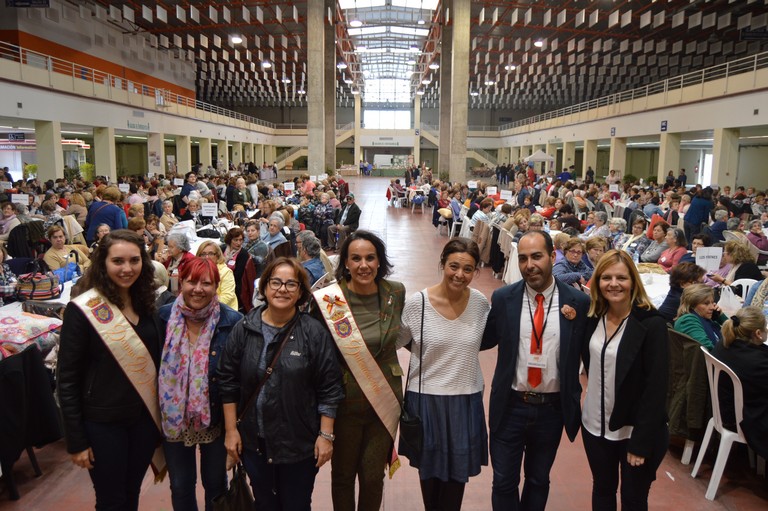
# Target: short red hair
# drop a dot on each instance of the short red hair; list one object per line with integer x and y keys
{"x": 198, "y": 267}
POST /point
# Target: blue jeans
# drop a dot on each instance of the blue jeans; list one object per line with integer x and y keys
{"x": 182, "y": 469}
{"x": 280, "y": 487}
{"x": 122, "y": 451}
{"x": 536, "y": 431}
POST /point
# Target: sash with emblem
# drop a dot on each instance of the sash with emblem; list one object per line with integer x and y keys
{"x": 134, "y": 359}
{"x": 362, "y": 365}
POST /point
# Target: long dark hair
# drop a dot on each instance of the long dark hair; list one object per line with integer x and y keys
{"x": 142, "y": 291}
{"x": 385, "y": 267}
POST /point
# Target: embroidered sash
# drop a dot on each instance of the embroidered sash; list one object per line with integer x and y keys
{"x": 132, "y": 356}
{"x": 362, "y": 365}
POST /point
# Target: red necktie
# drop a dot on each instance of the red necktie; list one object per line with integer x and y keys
{"x": 534, "y": 373}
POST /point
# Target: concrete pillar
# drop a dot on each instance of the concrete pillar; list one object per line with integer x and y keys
{"x": 525, "y": 151}
{"x": 446, "y": 90}
{"x": 358, "y": 129}
{"x": 514, "y": 154}
{"x": 589, "y": 158}
{"x": 617, "y": 160}
{"x": 725, "y": 157}
{"x": 569, "y": 154}
{"x": 669, "y": 156}
{"x": 50, "y": 156}
{"x": 205, "y": 153}
{"x": 222, "y": 154}
{"x": 258, "y": 154}
{"x": 247, "y": 152}
{"x": 270, "y": 155}
{"x": 105, "y": 153}
{"x": 183, "y": 155}
{"x": 316, "y": 88}
{"x": 417, "y": 130}
{"x": 459, "y": 89}
{"x": 551, "y": 149}
{"x": 237, "y": 153}
{"x": 329, "y": 89}
{"x": 156, "y": 153}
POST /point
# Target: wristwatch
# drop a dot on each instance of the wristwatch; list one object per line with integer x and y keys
{"x": 328, "y": 436}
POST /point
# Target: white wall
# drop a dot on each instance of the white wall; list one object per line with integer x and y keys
{"x": 753, "y": 167}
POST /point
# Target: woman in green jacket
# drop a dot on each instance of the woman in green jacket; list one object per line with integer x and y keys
{"x": 699, "y": 317}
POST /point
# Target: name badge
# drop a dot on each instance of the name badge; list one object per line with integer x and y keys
{"x": 537, "y": 361}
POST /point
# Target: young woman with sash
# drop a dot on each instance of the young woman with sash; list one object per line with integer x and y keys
{"x": 447, "y": 391}
{"x": 108, "y": 359}
{"x": 362, "y": 311}
{"x": 284, "y": 432}
{"x": 196, "y": 330}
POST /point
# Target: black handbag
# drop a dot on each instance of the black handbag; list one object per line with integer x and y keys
{"x": 411, "y": 427}
{"x": 238, "y": 496}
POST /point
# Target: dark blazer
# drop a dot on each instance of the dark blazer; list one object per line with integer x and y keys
{"x": 642, "y": 372}
{"x": 503, "y": 329}
{"x": 353, "y": 217}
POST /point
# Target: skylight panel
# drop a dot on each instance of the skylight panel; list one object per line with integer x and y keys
{"x": 367, "y": 30}
{"x": 420, "y": 32}
{"x": 415, "y": 4}
{"x": 361, "y": 4}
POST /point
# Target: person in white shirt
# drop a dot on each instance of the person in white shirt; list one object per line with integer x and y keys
{"x": 624, "y": 421}
{"x": 445, "y": 383}
{"x": 538, "y": 324}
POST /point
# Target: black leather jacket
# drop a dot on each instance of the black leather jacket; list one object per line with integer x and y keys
{"x": 91, "y": 384}
{"x": 306, "y": 376}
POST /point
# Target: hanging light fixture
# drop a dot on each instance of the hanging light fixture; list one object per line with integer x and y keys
{"x": 342, "y": 65}
{"x": 266, "y": 64}
{"x": 434, "y": 65}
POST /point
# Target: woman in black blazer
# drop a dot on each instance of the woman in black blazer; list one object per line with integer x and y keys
{"x": 624, "y": 421}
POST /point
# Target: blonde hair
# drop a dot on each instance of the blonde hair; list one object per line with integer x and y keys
{"x": 739, "y": 251}
{"x": 216, "y": 248}
{"x": 692, "y": 296}
{"x": 743, "y": 325}
{"x": 639, "y": 297}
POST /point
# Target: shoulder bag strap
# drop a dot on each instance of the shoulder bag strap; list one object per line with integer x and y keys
{"x": 421, "y": 352}
{"x": 269, "y": 371}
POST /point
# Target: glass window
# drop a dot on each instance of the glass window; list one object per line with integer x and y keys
{"x": 387, "y": 119}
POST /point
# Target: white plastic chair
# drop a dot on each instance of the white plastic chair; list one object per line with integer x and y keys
{"x": 456, "y": 227}
{"x": 746, "y": 284}
{"x": 400, "y": 198}
{"x": 421, "y": 205}
{"x": 715, "y": 369}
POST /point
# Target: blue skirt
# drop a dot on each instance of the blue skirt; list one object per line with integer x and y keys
{"x": 455, "y": 435}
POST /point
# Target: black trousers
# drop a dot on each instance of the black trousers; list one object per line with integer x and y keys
{"x": 607, "y": 459}
{"x": 442, "y": 495}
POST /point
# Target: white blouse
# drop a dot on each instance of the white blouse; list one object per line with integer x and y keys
{"x": 601, "y": 386}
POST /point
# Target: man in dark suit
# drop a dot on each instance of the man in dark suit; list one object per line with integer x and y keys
{"x": 347, "y": 220}
{"x": 538, "y": 325}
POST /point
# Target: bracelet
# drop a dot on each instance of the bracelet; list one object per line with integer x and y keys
{"x": 328, "y": 436}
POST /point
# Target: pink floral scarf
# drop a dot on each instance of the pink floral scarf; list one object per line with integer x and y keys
{"x": 183, "y": 379}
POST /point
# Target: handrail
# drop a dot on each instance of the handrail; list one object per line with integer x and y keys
{"x": 162, "y": 97}
{"x": 485, "y": 154}
{"x": 717, "y": 72}
{"x": 287, "y": 154}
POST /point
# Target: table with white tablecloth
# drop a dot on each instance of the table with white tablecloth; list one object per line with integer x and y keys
{"x": 656, "y": 287}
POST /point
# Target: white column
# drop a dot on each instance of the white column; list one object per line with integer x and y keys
{"x": 316, "y": 87}
{"x": 617, "y": 160}
{"x": 669, "y": 156}
{"x": 183, "y": 155}
{"x": 589, "y": 158}
{"x": 105, "y": 153}
{"x": 725, "y": 157}
{"x": 155, "y": 153}
{"x": 50, "y": 156}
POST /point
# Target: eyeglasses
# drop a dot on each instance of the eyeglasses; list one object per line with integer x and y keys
{"x": 575, "y": 252}
{"x": 209, "y": 254}
{"x": 290, "y": 285}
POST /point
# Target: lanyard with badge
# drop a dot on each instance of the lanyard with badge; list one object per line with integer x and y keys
{"x": 537, "y": 359}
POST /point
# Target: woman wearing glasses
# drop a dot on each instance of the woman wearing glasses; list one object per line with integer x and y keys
{"x": 226, "y": 289}
{"x": 572, "y": 270}
{"x": 286, "y": 433}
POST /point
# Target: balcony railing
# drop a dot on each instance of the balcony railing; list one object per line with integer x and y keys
{"x": 740, "y": 66}
{"x": 162, "y": 97}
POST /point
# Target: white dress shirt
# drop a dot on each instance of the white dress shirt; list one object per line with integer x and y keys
{"x": 550, "y": 344}
{"x": 601, "y": 386}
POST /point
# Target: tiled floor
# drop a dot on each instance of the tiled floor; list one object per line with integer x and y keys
{"x": 414, "y": 249}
